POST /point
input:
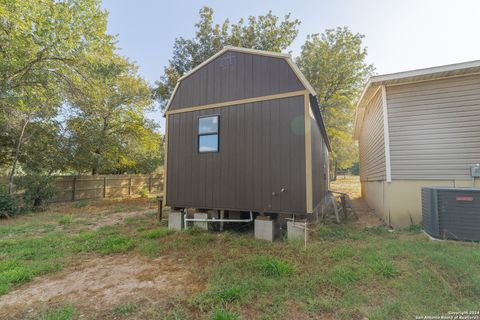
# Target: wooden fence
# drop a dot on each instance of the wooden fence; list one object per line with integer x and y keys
{"x": 71, "y": 188}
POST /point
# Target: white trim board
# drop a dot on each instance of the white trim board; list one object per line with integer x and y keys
{"x": 386, "y": 136}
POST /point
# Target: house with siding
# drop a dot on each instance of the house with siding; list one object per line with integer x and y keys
{"x": 245, "y": 134}
{"x": 414, "y": 129}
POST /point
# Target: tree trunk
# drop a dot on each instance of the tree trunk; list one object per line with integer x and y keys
{"x": 15, "y": 159}
{"x": 335, "y": 168}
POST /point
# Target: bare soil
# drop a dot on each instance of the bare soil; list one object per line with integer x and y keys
{"x": 100, "y": 283}
{"x": 114, "y": 219}
{"x": 351, "y": 185}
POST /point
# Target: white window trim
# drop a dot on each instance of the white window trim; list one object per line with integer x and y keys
{"x": 386, "y": 135}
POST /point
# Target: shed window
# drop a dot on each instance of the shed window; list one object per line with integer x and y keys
{"x": 208, "y": 134}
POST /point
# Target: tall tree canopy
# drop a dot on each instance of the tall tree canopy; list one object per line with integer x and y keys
{"x": 41, "y": 45}
{"x": 68, "y": 102}
{"x": 334, "y": 63}
{"x": 108, "y": 126}
{"x": 265, "y": 32}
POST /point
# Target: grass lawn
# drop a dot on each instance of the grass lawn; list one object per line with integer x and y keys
{"x": 345, "y": 272}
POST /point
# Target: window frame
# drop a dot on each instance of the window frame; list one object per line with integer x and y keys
{"x": 208, "y": 134}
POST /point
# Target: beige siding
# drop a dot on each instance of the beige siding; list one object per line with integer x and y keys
{"x": 371, "y": 142}
{"x": 434, "y": 128}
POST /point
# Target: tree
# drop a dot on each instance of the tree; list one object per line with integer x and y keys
{"x": 334, "y": 64}
{"x": 46, "y": 149}
{"x": 108, "y": 127}
{"x": 265, "y": 32}
{"x": 42, "y": 45}
{"x": 34, "y": 105}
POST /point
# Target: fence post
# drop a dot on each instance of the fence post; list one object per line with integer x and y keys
{"x": 150, "y": 184}
{"x": 129, "y": 185}
{"x": 104, "y": 186}
{"x": 73, "y": 187}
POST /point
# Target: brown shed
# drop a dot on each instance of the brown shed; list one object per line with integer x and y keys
{"x": 245, "y": 133}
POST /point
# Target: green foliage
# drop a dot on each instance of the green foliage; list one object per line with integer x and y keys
{"x": 80, "y": 204}
{"x": 222, "y": 314}
{"x": 64, "y": 220}
{"x": 232, "y": 293}
{"x": 124, "y": 309}
{"x": 43, "y": 52}
{"x": 385, "y": 268}
{"x": 65, "y": 312}
{"x": 333, "y": 232}
{"x": 415, "y": 228}
{"x": 334, "y": 64}
{"x": 264, "y": 32}
{"x": 8, "y": 205}
{"x": 105, "y": 241}
{"x": 343, "y": 276}
{"x": 149, "y": 248}
{"x": 68, "y": 102}
{"x": 156, "y": 233}
{"x": 355, "y": 169}
{"x": 349, "y": 274}
{"x": 341, "y": 252}
{"x": 143, "y": 193}
{"x": 116, "y": 244}
{"x": 38, "y": 190}
{"x": 109, "y": 129}
{"x": 271, "y": 266}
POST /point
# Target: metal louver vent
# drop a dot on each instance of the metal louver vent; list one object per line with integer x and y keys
{"x": 451, "y": 213}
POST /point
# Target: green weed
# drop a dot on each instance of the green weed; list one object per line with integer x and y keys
{"x": 385, "y": 268}
{"x": 222, "y": 314}
{"x": 120, "y": 208}
{"x": 143, "y": 193}
{"x": 271, "y": 266}
{"x": 81, "y": 204}
{"x": 65, "y": 220}
{"x": 322, "y": 304}
{"x": 333, "y": 232}
{"x": 156, "y": 233}
{"x": 65, "y": 312}
{"x": 341, "y": 252}
{"x": 343, "y": 276}
{"x": 149, "y": 248}
{"x": 124, "y": 309}
{"x": 116, "y": 244}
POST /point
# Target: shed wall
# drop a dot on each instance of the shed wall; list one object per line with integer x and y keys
{"x": 234, "y": 76}
{"x": 434, "y": 128}
{"x": 319, "y": 164}
{"x": 261, "y": 150}
{"x": 371, "y": 142}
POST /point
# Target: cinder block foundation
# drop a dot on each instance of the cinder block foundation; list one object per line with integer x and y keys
{"x": 265, "y": 229}
{"x": 296, "y": 230}
{"x": 199, "y": 224}
{"x": 175, "y": 220}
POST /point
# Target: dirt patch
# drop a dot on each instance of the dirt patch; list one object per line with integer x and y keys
{"x": 96, "y": 205}
{"x": 101, "y": 283}
{"x": 351, "y": 185}
{"x": 114, "y": 219}
{"x": 366, "y": 216}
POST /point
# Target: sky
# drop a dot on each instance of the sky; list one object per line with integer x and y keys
{"x": 399, "y": 35}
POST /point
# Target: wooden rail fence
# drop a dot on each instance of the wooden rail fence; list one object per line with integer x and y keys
{"x": 71, "y": 188}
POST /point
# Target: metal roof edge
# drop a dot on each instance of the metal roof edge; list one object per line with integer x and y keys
{"x": 285, "y": 56}
{"x": 408, "y": 76}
